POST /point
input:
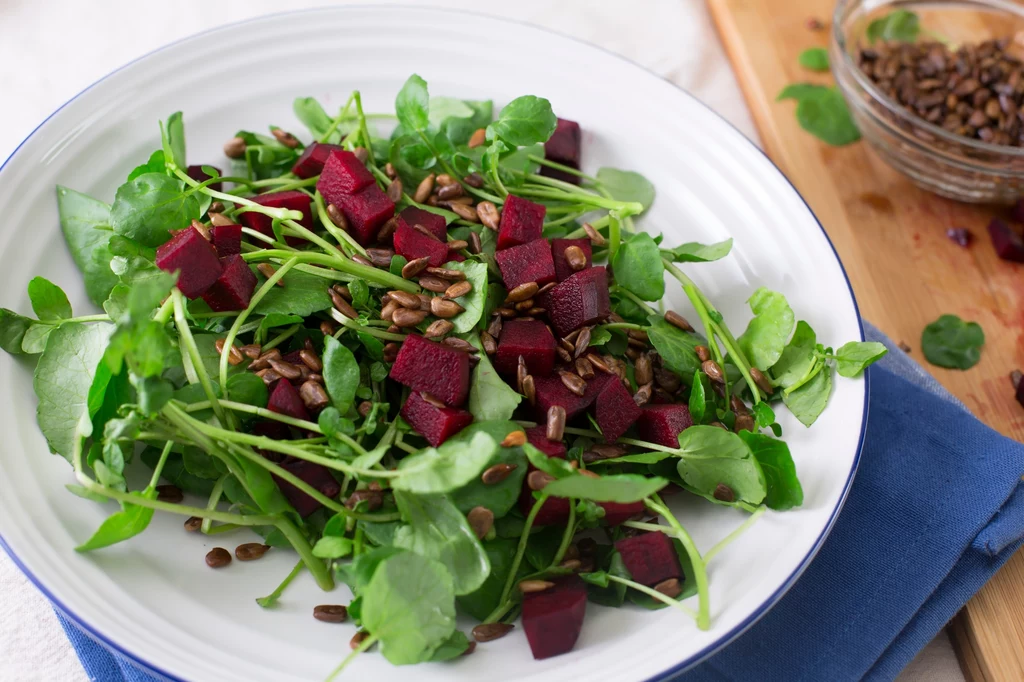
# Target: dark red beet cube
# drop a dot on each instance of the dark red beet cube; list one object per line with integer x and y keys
{"x": 558, "y": 247}
{"x": 313, "y": 158}
{"x": 662, "y": 424}
{"x": 193, "y": 258}
{"x": 529, "y": 338}
{"x": 227, "y": 239}
{"x": 436, "y": 424}
{"x": 343, "y": 173}
{"x": 316, "y": 475}
{"x": 414, "y": 244}
{"x": 537, "y": 436}
{"x": 366, "y": 212}
{"x": 650, "y": 558}
{"x": 553, "y": 618}
{"x": 615, "y": 410}
{"x": 199, "y": 175}
{"x": 270, "y": 428}
{"x": 530, "y": 262}
{"x": 233, "y": 289}
{"x": 1008, "y": 244}
{"x": 551, "y": 391}
{"x": 284, "y": 399}
{"x": 617, "y": 513}
{"x": 426, "y": 366}
{"x": 521, "y": 221}
{"x": 563, "y": 147}
{"x": 414, "y": 215}
{"x": 292, "y": 200}
{"x": 580, "y": 300}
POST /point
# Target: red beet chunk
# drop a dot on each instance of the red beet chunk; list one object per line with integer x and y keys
{"x": 293, "y": 200}
{"x": 366, "y": 212}
{"x": 427, "y": 366}
{"x": 316, "y": 475}
{"x": 227, "y": 239}
{"x": 580, "y": 300}
{"x": 617, "y": 513}
{"x": 343, "y": 173}
{"x": 436, "y": 424}
{"x": 414, "y": 215}
{"x": 551, "y": 391}
{"x": 313, "y": 159}
{"x": 233, "y": 289}
{"x": 537, "y": 436}
{"x": 530, "y": 262}
{"x": 414, "y": 244}
{"x": 650, "y": 558}
{"x": 529, "y": 338}
{"x": 563, "y": 147}
{"x": 521, "y": 221}
{"x": 199, "y": 175}
{"x": 555, "y": 511}
{"x": 284, "y": 399}
{"x": 553, "y": 618}
{"x": 558, "y": 247}
{"x": 193, "y": 258}
{"x": 662, "y": 424}
{"x": 1008, "y": 244}
{"x": 615, "y": 410}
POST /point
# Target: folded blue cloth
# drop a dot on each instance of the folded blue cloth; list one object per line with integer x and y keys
{"x": 935, "y": 510}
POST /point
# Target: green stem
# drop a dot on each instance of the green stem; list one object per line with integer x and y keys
{"x": 271, "y": 599}
{"x": 558, "y": 166}
{"x": 743, "y": 527}
{"x": 372, "y": 275}
{"x": 213, "y": 501}
{"x": 164, "y": 454}
{"x": 337, "y": 121}
{"x": 626, "y": 293}
{"x": 364, "y": 132}
{"x": 700, "y": 573}
{"x": 815, "y": 369}
{"x": 625, "y": 207}
{"x": 281, "y": 338}
{"x": 524, "y": 540}
{"x": 665, "y": 599}
{"x": 318, "y": 568}
{"x": 189, "y": 343}
{"x": 598, "y": 224}
{"x": 259, "y": 411}
{"x": 497, "y": 613}
{"x": 346, "y": 240}
{"x": 570, "y": 531}
{"x": 355, "y": 326}
{"x": 366, "y": 644}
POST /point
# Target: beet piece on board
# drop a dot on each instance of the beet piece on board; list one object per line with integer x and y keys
{"x": 650, "y": 558}
{"x": 293, "y": 200}
{"x": 233, "y": 289}
{"x": 521, "y": 221}
{"x": 529, "y": 338}
{"x": 441, "y": 371}
{"x": 284, "y": 399}
{"x": 412, "y": 244}
{"x": 313, "y": 158}
{"x": 227, "y": 239}
{"x": 199, "y": 175}
{"x": 436, "y": 424}
{"x": 563, "y": 147}
{"x": 617, "y": 513}
{"x": 530, "y": 262}
{"x": 580, "y": 300}
{"x": 662, "y": 424}
{"x": 558, "y": 247}
{"x": 317, "y": 476}
{"x": 366, "y": 212}
{"x": 1008, "y": 244}
{"x": 553, "y": 619}
{"x": 413, "y": 215}
{"x": 615, "y": 410}
{"x": 343, "y": 173}
{"x": 194, "y": 258}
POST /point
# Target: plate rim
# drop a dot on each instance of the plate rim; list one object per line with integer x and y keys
{"x": 691, "y": 661}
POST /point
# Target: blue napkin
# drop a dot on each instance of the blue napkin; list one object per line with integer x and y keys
{"x": 935, "y": 510}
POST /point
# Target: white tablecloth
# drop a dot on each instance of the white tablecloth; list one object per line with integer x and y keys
{"x": 49, "y": 51}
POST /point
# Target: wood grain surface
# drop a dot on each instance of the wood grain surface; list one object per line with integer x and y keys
{"x": 905, "y": 272}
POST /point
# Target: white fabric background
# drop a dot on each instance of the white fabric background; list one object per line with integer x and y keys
{"x": 52, "y": 49}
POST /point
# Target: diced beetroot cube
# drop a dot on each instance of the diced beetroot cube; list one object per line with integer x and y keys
{"x": 555, "y": 511}
{"x": 233, "y": 289}
{"x": 456, "y": 256}
{"x": 271, "y": 429}
{"x": 343, "y": 173}
{"x": 284, "y": 399}
{"x": 413, "y": 215}
{"x": 414, "y": 244}
{"x": 199, "y": 175}
{"x": 313, "y": 159}
{"x": 650, "y": 558}
{"x": 293, "y": 200}
{"x": 316, "y": 475}
{"x": 553, "y": 618}
{"x": 558, "y": 247}
{"x": 530, "y": 262}
{"x": 580, "y": 300}
{"x": 529, "y": 338}
{"x": 662, "y": 424}
{"x": 436, "y": 424}
{"x": 227, "y": 239}
{"x": 193, "y": 258}
{"x": 441, "y": 371}
{"x": 563, "y": 147}
{"x": 294, "y": 357}
{"x": 537, "y": 436}
{"x": 366, "y": 212}
{"x": 551, "y": 391}
{"x": 1008, "y": 244}
{"x": 617, "y": 513}
{"x": 615, "y": 410}
{"x": 521, "y": 221}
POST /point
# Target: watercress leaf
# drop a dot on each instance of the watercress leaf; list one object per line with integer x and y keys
{"x": 555, "y": 466}
{"x": 513, "y": 166}
{"x": 313, "y": 116}
{"x": 675, "y": 347}
{"x": 358, "y": 574}
{"x": 767, "y": 334}
{"x": 380, "y": 534}
{"x": 36, "y": 336}
{"x": 622, "y": 488}
{"x": 360, "y": 293}
{"x": 341, "y": 374}
{"x": 853, "y": 358}
{"x": 274, "y": 320}
{"x": 695, "y": 252}
{"x": 445, "y": 468}
{"x": 412, "y": 158}
{"x": 900, "y": 25}
{"x": 952, "y": 343}
{"x": 452, "y": 648}
{"x": 302, "y": 294}
{"x": 153, "y": 393}
{"x": 708, "y": 459}
{"x": 490, "y": 398}
{"x": 246, "y": 387}
{"x": 797, "y": 358}
{"x": 784, "y": 490}
{"x": 525, "y": 120}
{"x": 500, "y": 497}
{"x": 172, "y": 138}
{"x": 459, "y": 130}
{"x": 121, "y": 525}
{"x": 808, "y": 401}
{"x": 825, "y": 115}
{"x": 697, "y": 402}
{"x": 155, "y": 164}
{"x": 799, "y": 91}
{"x": 332, "y": 547}
{"x": 398, "y": 262}
{"x": 764, "y": 415}
{"x": 412, "y": 105}
{"x": 85, "y": 223}
{"x": 627, "y": 186}
{"x": 596, "y": 578}
{"x": 260, "y": 485}
{"x": 473, "y": 302}
{"x": 638, "y": 458}
{"x": 374, "y": 346}
{"x": 207, "y": 346}
{"x": 638, "y": 267}
{"x": 481, "y": 602}
{"x": 150, "y": 207}
{"x": 599, "y": 336}
{"x": 814, "y": 58}
{"x": 12, "y": 331}
{"x": 443, "y": 108}
{"x": 174, "y": 472}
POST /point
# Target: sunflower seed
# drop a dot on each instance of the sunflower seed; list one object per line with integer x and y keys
{"x": 643, "y": 395}
{"x": 449, "y": 191}
{"x": 670, "y": 588}
{"x": 438, "y": 328}
{"x": 269, "y": 376}
{"x": 677, "y": 320}
{"x": 341, "y": 305}
{"x": 514, "y": 439}
{"x": 285, "y": 369}
{"x": 449, "y": 274}
{"x": 193, "y": 523}
{"x": 474, "y": 180}
{"x": 403, "y": 317}
{"x": 488, "y": 343}
{"x": 488, "y": 214}
{"x": 761, "y": 380}
{"x": 285, "y": 138}
{"x": 497, "y": 473}
{"x": 387, "y": 312}
{"x": 582, "y": 341}
{"x": 459, "y": 289}
{"x": 531, "y": 586}
{"x": 459, "y": 344}
{"x": 251, "y": 551}
{"x": 643, "y": 373}
{"x": 219, "y": 220}
{"x": 169, "y": 493}
{"x": 467, "y": 213}
{"x": 431, "y": 400}
{"x": 424, "y": 189}
{"x": 474, "y": 246}
{"x": 445, "y": 308}
{"x": 361, "y": 154}
{"x": 435, "y": 284}
{"x": 405, "y": 299}
{"x": 556, "y": 422}
{"x": 313, "y": 395}
{"x": 478, "y": 138}
{"x": 425, "y": 231}
{"x": 573, "y": 382}
{"x": 330, "y": 613}
{"x": 488, "y": 632}
{"x": 268, "y": 270}
{"x": 529, "y": 389}
{"x": 703, "y": 353}
{"x": 575, "y": 257}
{"x": 381, "y": 258}
{"x": 595, "y": 236}
{"x": 362, "y": 260}
{"x": 714, "y": 371}
{"x": 524, "y": 291}
{"x": 218, "y": 557}
{"x": 234, "y": 148}
{"x": 415, "y": 267}
{"x": 481, "y": 520}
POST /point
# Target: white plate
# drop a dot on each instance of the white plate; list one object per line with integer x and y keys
{"x": 153, "y": 598}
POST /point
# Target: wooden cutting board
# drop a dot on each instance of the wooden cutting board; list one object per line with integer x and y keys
{"x": 905, "y": 272}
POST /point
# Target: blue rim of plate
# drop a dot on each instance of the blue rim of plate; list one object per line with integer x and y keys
{"x": 707, "y": 651}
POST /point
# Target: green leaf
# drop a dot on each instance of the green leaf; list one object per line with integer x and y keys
{"x": 767, "y": 334}
{"x": 412, "y": 105}
{"x": 443, "y": 108}
{"x": 200, "y": 464}
{"x": 261, "y": 486}
{"x": 627, "y": 186}
{"x": 150, "y": 207}
{"x": 900, "y": 25}
{"x": 332, "y": 547}
{"x": 952, "y": 343}
{"x": 36, "y": 336}
{"x": 302, "y": 294}
{"x": 710, "y": 456}
{"x": 490, "y": 398}
{"x": 445, "y": 468}
{"x": 274, "y": 320}
{"x": 121, "y": 525}
{"x": 623, "y": 488}
{"x": 815, "y": 59}
{"x": 695, "y": 252}
{"x": 827, "y": 117}
{"x": 638, "y": 267}
{"x": 784, "y": 490}
{"x": 525, "y": 120}
{"x": 358, "y": 574}
{"x": 675, "y": 347}
{"x": 797, "y": 358}
{"x": 313, "y": 116}
{"x": 799, "y": 91}
{"x": 49, "y": 302}
{"x": 480, "y": 603}
{"x": 85, "y": 223}
{"x": 341, "y": 374}
{"x": 697, "y": 402}
{"x": 500, "y": 497}
{"x": 12, "y": 331}
{"x": 360, "y": 292}
{"x": 172, "y": 137}
{"x": 809, "y": 400}
{"x": 450, "y": 649}
{"x": 603, "y": 591}
{"x": 473, "y": 302}
{"x": 174, "y": 472}
{"x": 555, "y": 466}
{"x": 853, "y": 358}
{"x": 153, "y": 393}
{"x": 459, "y": 130}
{"x": 155, "y": 164}
{"x": 246, "y": 387}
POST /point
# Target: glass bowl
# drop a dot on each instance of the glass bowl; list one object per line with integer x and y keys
{"x": 940, "y": 161}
